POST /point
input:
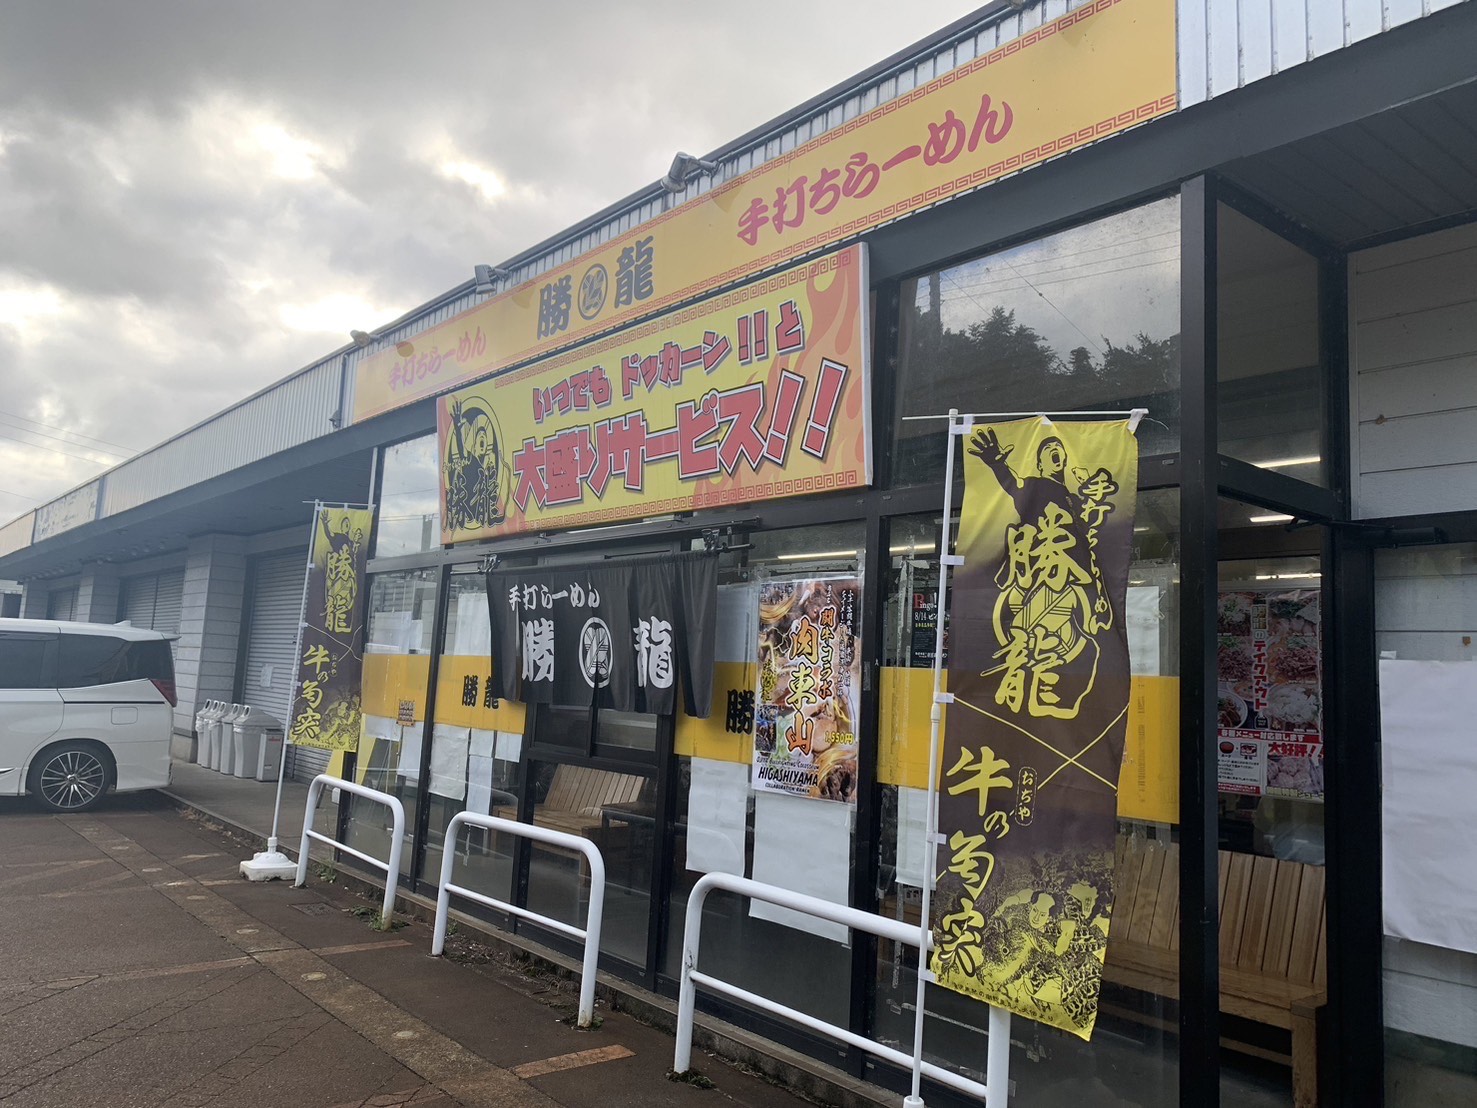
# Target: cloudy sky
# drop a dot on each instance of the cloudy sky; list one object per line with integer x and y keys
{"x": 197, "y": 199}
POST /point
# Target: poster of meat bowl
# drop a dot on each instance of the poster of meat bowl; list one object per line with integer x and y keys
{"x": 809, "y": 694}
{"x": 1270, "y": 695}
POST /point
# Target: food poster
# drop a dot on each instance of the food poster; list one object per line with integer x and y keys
{"x": 1270, "y": 696}
{"x": 809, "y": 694}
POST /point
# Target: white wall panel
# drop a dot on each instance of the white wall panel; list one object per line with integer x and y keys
{"x": 16, "y": 535}
{"x": 1228, "y": 44}
{"x": 1289, "y": 34}
{"x": 1257, "y": 60}
{"x": 1413, "y": 350}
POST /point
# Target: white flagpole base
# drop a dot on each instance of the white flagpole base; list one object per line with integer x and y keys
{"x": 269, "y": 865}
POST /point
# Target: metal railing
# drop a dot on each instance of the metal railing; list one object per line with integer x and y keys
{"x": 594, "y": 916}
{"x": 997, "y": 1080}
{"x": 397, "y": 836}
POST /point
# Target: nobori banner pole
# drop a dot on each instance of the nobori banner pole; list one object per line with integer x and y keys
{"x": 935, "y": 718}
{"x": 271, "y": 862}
{"x": 997, "y": 1066}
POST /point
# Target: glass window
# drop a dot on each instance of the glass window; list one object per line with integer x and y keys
{"x": 1084, "y": 319}
{"x": 397, "y": 667}
{"x": 1133, "y": 1055}
{"x": 724, "y": 825}
{"x": 85, "y": 660}
{"x": 476, "y": 746}
{"x": 1270, "y": 385}
{"x": 1268, "y": 749}
{"x": 410, "y": 499}
{"x": 1426, "y": 635}
{"x": 26, "y": 661}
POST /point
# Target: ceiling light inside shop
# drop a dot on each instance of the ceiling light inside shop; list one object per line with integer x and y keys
{"x": 1278, "y": 463}
{"x": 1287, "y": 576}
{"x": 815, "y": 556}
{"x": 1274, "y": 517}
{"x": 911, "y": 548}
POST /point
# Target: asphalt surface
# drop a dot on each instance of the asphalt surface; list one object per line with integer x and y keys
{"x": 137, "y": 969}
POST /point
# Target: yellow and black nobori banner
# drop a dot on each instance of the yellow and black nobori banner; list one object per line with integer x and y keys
{"x": 1038, "y": 665}
{"x": 327, "y": 707}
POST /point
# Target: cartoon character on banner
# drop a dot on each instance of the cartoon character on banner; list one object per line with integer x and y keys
{"x": 1053, "y": 602}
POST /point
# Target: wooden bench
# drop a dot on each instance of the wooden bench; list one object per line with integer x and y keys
{"x": 575, "y": 797}
{"x": 1273, "y": 935}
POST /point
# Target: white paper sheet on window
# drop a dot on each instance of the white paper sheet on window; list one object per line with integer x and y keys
{"x": 1429, "y": 780}
{"x": 449, "y": 761}
{"x": 473, "y": 631}
{"x": 483, "y": 743}
{"x": 381, "y": 727}
{"x": 803, "y": 845}
{"x": 738, "y": 624}
{"x": 509, "y": 746}
{"x": 912, "y": 812}
{"x": 479, "y": 784}
{"x": 408, "y": 764}
{"x": 1143, "y": 620}
{"x": 717, "y": 816}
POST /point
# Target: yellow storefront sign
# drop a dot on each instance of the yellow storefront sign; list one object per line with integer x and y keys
{"x": 754, "y": 394}
{"x": 1089, "y": 74}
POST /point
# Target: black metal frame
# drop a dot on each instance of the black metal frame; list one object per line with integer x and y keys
{"x": 1199, "y": 1016}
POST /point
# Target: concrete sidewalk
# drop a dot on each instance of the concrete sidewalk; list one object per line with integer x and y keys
{"x": 137, "y": 969}
{"x": 244, "y": 809}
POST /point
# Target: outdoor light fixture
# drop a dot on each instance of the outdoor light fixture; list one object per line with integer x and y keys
{"x": 361, "y": 338}
{"x": 685, "y": 166}
{"x": 489, "y": 277}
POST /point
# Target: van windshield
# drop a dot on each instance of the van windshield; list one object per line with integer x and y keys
{"x": 100, "y": 660}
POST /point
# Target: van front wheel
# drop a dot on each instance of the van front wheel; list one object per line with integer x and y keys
{"x": 70, "y": 778}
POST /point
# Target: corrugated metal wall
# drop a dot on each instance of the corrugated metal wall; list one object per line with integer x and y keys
{"x": 1227, "y": 44}
{"x": 291, "y": 412}
{"x": 1413, "y": 352}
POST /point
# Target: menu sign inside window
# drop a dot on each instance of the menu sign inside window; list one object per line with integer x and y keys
{"x": 1270, "y": 693}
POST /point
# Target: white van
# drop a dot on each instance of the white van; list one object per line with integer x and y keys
{"x": 84, "y": 708}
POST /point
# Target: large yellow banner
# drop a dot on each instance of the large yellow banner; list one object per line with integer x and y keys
{"x": 751, "y": 395}
{"x": 1039, "y": 672}
{"x": 1094, "y": 71}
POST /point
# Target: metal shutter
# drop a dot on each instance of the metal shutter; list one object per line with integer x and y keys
{"x": 62, "y": 604}
{"x": 169, "y": 601}
{"x": 154, "y": 600}
{"x": 276, "y": 608}
{"x": 137, "y": 600}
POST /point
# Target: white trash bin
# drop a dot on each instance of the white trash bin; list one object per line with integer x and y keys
{"x": 246, "y": 741}
{"x": 222, "y": 757}
{"x": 269, "y": 757}
{"x": 213, "y": 736}
{"x": 203, "y": 719}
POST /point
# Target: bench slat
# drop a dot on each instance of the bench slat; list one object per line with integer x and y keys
{"x": 1308, "y": 922}
{"x": 1258, "y": 908}
{"x": 1166, "y": 911}
{"x": 1233, "y": 905}
{"x": 1131, "y": 861}
{"x": 1147, "y": 899}
{"x": 1280, "y": 917}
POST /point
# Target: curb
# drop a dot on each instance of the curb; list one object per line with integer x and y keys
{"x": 799, "y": 1073}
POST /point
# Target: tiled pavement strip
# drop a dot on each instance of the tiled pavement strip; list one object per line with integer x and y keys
{"x": 443, "y": 1063}
{"x": 176, "y": 1028}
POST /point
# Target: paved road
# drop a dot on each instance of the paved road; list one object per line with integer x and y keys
{"x": 137, "y": 969}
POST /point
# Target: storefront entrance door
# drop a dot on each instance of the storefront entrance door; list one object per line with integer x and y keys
{"x": 592, "y": 773}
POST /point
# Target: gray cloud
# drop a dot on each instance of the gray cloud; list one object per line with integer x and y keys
{"x": 197, "y": 200}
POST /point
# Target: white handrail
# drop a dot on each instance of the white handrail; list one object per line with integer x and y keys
{"x": 594, "y": 915}
{"x": 397, "y": 836}
{"x": 994, "y": 1091}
